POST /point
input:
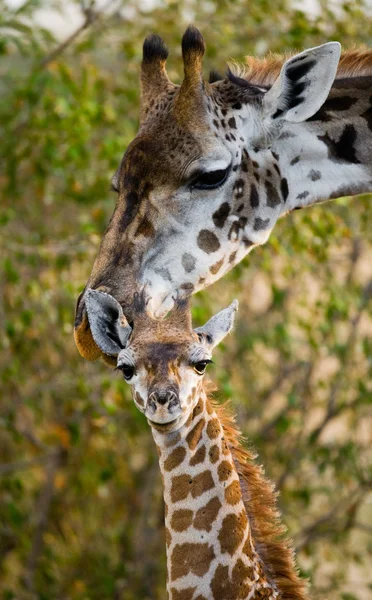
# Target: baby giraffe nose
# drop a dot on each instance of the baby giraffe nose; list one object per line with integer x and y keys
{"x": 163, "y": 397}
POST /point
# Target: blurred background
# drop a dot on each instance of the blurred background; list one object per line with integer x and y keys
{"x": 81, "y": 511}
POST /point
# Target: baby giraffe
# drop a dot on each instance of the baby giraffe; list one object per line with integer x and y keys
{"x": 224, "y": 540}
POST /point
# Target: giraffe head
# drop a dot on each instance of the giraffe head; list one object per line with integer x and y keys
{"x": 199, "y": 186}
{"x": 163, "y": 361}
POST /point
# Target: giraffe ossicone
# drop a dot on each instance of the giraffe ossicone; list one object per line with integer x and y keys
{"x": 224, "y": 540}
{"x": 215, "y": 165}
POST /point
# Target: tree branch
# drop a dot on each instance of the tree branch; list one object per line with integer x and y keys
{"x": 24, "y": 464}
{"x": 91, "y": 15}
{"x": 42, "y": 512}
{"x": 322, "y": 526}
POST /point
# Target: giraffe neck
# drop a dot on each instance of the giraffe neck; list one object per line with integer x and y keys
{"x": 210, "y": 547}
{"x": 329, "y": 155}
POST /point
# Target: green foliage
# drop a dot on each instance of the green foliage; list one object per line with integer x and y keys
{"x": 81, "y": 509}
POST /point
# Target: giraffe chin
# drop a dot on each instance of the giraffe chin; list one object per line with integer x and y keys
{"x": 169, "y": 427}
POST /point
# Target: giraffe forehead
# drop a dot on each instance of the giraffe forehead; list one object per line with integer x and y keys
{"x": 167, "y": 142}
{"x": 164, "y": 352}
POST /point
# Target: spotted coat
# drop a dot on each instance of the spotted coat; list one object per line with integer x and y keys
{"x": 274, "y": 146}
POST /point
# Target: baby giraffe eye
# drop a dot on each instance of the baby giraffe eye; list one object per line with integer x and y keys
{"x": 200, "y": 366}
{"x": 128, "y": 371}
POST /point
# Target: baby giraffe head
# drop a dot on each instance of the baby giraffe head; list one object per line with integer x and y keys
{"x": 164, "y": 361}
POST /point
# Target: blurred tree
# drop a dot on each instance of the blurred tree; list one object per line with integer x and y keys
{"x": 80, "y": 497}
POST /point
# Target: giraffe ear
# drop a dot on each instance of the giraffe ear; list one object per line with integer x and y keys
{"x": 213, "y": 332}
{"x": 303, "y": 84}
{"x": 107, "y": 322}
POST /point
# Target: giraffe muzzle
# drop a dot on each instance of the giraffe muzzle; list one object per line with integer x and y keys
{"x": 163, "y": 406}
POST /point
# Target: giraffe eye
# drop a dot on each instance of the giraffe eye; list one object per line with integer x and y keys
{"x": 210, "y": 180}
{"x": 200, "y": 366}
{"x": 128, "y": 371}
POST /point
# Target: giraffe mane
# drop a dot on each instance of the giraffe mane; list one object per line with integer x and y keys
{"x": 356, "y": 62}
{"x": 260, "y": 500}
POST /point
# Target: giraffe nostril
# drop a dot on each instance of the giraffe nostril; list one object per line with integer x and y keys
{"x": 164, "y": 397}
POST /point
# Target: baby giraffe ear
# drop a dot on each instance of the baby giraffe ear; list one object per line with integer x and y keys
{"x": 218, "y": 326}
{"x": 303, "y": 84}
{"x": 107, "y": 322}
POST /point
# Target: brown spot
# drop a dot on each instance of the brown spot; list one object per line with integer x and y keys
{"x": 199, "y": 406}
{"x": 188, "y": 262}
{"x": 247, "y": 243}
{"x": 242, "y": 571}
{"x": 216, "y": 267}
{"x": 254, "y": 197}
{"x": 168, "y": 537}
{"x": 165, "y": 509}
{"x": 185, "y": 594}
{"x": 201, "y": 483}
{"x": 264, "y": 593}
{"x": 284, "y": 188}
{"x": 175, "y": 458}
{"x": 302, "y": 196}
{"x": 260, "y": 224}
{"x": 191, "y": 558}
{"x": 188, "y": 286}
{"x": 232, "y": 257}
{"x": 272, "y": 195}
{"x": 231, "y": 122}
{"x": 219, "y": 217}
{"x": 189, "y": 420}
{"x": 198, "y": 457}
{"x": 208, "y": 241}
{"x": 237, "y": 226}
{"x": 209, "y": 407}
{"x": 340, "y": 103}
{"x": 194, "y": 435}
{"x": 224, "y": 588}
{"x": 213, "y": 428}
{"x": 214, "y": 454}
{"x": 206, "y": 515}
{"x": 173, "y": 439}
{"x": 225, "y": 447}
{"x": 181, "y": 519}
{"x": 233, "y": 493}
{"x": 314, "y": 175}
{"x": 145, "y": 228}
{"x": 232, "y": 532}
{"x": 225, "y": 470}
{"x": 180, "y": 487}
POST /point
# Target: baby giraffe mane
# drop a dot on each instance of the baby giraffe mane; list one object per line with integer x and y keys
{"x": 260, "y": 500}
{"x": 356, "y": 62}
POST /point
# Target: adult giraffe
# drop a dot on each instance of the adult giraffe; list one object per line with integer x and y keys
{"x": 214, "y": 165}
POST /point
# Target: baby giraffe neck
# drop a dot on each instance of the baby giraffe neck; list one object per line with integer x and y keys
{"x": 210, "y": 547}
